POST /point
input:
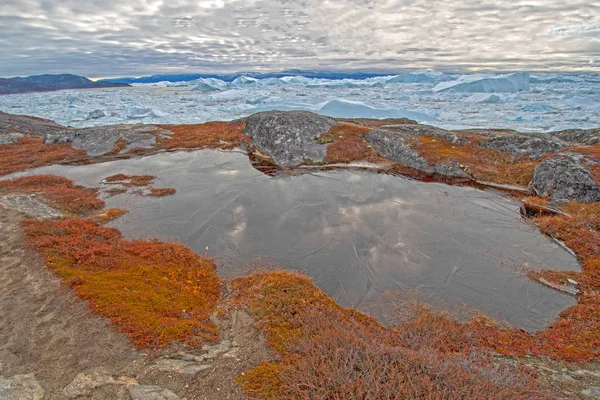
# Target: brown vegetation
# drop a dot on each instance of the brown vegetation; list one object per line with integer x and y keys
{"x": 346, "y": 143}
{"x": 161, "y": 192}
{"x": 106, "y": 216}
{"x": 484, "y": 164}
{"x": 31, "y": 152}
{"x": 61, "y": 192}
{"x": 330, "y": 352}
{"x": 212, "y": 135}
{"x": 154, "y": 292}
{"x": 130, "y": 180}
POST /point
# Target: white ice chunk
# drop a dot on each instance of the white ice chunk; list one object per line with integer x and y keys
{"x": 485, "y": 98}
{"x": 142, "y": 112}
{"x": 510, "y": 83}
{"x": 244, "y": 80}
{"x": 349, "y": 109}
{"x": 555, "y": 79}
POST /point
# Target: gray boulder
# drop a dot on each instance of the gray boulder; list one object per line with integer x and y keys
{"x": 530, "y": 145}
{"x": 100, "y": 140}
{"x": 564, "y": 178}
{"x": 393, "y": 146}
{"x": 289, "y": 137}
{"x": 25, "y": 125}
{"x": 582, "y": 137}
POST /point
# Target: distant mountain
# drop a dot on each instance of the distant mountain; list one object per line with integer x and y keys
{"x": 46, "y": 83}
{"x": 257, "y": 75}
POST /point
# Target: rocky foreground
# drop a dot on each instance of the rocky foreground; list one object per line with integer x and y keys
{"x": 561, "y": 166}
{"x": 275, "y": 335}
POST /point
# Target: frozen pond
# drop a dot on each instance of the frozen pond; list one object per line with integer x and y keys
{"x": 359, "y": 235}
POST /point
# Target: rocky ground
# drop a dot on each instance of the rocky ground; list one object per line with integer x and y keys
{"x": 53, "y": 347}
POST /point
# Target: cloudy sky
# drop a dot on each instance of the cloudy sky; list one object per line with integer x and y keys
{"x": 101, "y": 38}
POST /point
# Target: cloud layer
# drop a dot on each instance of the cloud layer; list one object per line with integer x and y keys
{"x": 110, "y": 38}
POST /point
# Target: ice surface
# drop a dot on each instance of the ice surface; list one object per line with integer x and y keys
{"x": 560, "y": 102}
{"x": 509, "y": 83}
{"x": 420, "y": 77}
{"x": 485, "y": 98}
{"x": 359, "y": 235}
{"x": 349, "y": 109}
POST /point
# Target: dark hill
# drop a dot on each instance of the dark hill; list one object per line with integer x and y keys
{"x": 46, "y": 83}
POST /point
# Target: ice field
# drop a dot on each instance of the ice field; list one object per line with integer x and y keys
{"x": 517, "y": 101}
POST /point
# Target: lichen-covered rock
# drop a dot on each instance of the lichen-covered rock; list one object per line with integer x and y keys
{"x": 530, "y": 145}
{"x": 413, "y": 130}
{"x": 25, "y": 125}
{"x": 564, "y": 178}
{"x": 394, "y": 147}
{"x": 289, "y": 137}
{"x": 585, "y": 137}
{"x": 21, "y": 387}
{"x": 100, "y": 140}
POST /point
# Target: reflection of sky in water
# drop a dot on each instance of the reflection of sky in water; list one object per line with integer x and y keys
{"x": 358, "y": 234}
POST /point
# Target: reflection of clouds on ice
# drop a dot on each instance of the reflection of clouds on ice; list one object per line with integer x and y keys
{"x": 357, "y": 234}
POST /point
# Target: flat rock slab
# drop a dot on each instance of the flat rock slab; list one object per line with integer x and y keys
{"x": 84, "y": 384}
{"x": 30, "y": 205}
{"x": 289, "y": 137}
{"x": 97, "y": 141}
{"x": 143, "y": 392}
{"x": 21, "y": 387}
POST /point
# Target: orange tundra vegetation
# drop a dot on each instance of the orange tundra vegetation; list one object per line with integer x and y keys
{"x": 130, "y": 180}
{"x": 212, "y": 135}
{"x": 330, "y": 352}
{"x": 31, "y": 152}
{"x": 61, "y": 192}
{"x": 161, "y": 192}
{"x": 154, "y": 292}
{"x": 484, "y": 164}
{"x": 106, "y": 216}
{"x": 346, "y": 143}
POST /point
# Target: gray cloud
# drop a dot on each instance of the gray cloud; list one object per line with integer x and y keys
{"x": 108, "y": 38}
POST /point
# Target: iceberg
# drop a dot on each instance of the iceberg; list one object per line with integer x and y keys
{"x": 420, "y": 77}
{"x": 142, "y": 112}
{"x": 555, "y": 79}
{"x": 349, "y": 109}
{"x": 205, "y": 87}
{"x": 509, "y": 83}
{"x": 485, "y": 98}
{"x": 244, "y": 80}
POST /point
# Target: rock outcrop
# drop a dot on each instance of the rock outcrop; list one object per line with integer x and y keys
{"x": 289, "y": 138}
{"x": 563, "y": 178}
{"x": 21, "y": 387}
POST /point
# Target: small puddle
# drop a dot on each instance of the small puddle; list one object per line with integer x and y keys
{"x": 370, "y": 240}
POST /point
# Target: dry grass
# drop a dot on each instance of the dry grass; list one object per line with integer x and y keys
{"x": 154, "y": 292}
{"x": 484, "y": 164}
{"x": 212, "y": 135}
{"x": 106, "y": 216}
{"x": 130, "y": 180}
{"x": 31, "y": 152}
{"x": 346, "y": 143}
{"x": 328, "y": 352}
{"x": 61, "y": 192}
{"x": 161, "y": 192}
